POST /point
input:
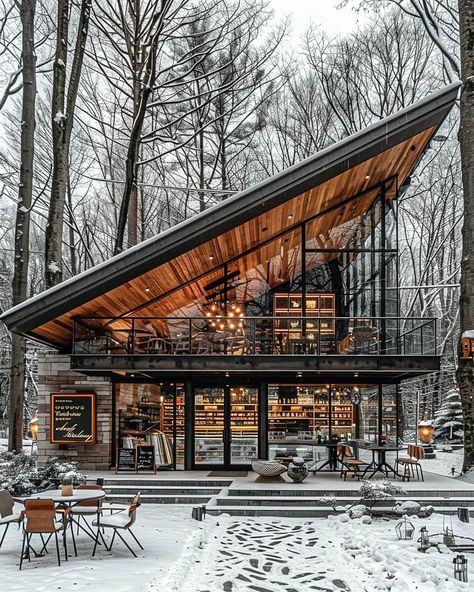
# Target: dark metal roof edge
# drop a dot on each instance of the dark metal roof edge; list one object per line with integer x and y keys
{"x": 255, "y": 200}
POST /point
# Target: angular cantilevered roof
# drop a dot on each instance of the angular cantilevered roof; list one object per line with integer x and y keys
{"x": 153, "y": 278}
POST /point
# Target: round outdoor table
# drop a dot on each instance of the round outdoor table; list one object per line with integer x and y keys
{"x": 66, "y": 501}
{"x": 381, "y": 465}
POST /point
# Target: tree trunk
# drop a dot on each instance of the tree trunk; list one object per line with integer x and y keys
{"x": 62, "y": 123}
{"x": 22, "y": 228}
{"x": 466, "y": 302}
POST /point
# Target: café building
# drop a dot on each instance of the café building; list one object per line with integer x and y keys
{"x": 268, "y": 323}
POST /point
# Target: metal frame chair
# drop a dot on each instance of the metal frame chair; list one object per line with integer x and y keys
{"x": 7, "y": 516}
{"x": 119, "y": 521}
{"x": 40, "y": 518}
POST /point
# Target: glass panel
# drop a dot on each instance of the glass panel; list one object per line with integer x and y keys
{"x": 298, "y": 421}
{"x": 389, "y": 414}
{"x": 243, "y": 425}
{"x": 342, "y": 412}
{"x": 209, "y": 426}
{"x": 368, "y": 409}
{"x": 146, "y": 416}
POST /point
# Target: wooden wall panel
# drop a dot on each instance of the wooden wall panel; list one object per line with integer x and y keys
{"x": 140, "y": 292}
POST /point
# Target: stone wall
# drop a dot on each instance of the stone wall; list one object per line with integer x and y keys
{"x": 55, "y": 375}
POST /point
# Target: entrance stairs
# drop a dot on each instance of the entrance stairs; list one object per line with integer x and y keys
{"x": 156, "y": 491}
{"x": 244, "y": 497}
{"x": 299, "y": 502}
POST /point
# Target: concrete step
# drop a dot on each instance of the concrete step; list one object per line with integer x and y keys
{"x": 295, "y": 512}
{"x": 157, "y": 482}
{"x": 159, "y": 490}
{"x": 307, "y": 501}
{"x": 298, "y": 491}
{"x": 162, "y": 499}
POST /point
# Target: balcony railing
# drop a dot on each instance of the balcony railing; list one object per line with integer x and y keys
{"x": 192, "y": 336}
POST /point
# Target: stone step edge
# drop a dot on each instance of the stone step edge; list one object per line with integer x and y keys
{"x": 341, "y": 498}
{"x": 296, "y": 510}
{"x": 165, "y": 487}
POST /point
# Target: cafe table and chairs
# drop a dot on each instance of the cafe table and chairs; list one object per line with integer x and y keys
{"x": 64, "y": 504}
{"x": 379, "y": 463}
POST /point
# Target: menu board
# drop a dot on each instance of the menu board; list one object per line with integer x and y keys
{"x": 126, "y": 459}
{"x": 72, "y": 418}
{"x": 146, "y": 458}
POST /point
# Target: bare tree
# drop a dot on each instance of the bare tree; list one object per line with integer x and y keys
{"x": 466, "y": 303}
{"x": 63, "y": 108}
{"x": 22, "y": 225}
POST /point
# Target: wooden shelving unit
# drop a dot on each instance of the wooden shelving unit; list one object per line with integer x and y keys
{"x": 290, "y": 331}
{"x": 294, "y": 418}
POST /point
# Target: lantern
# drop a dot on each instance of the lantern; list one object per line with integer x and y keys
{"x": 424, "y": 540}
{"x": 460, "y": 568}
{"x": 425, "y": 430}
{"x": 33, "y": 427}
{"x": 404, "y": 530}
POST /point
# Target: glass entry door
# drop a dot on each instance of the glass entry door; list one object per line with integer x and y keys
{"x": 225, "y": 426}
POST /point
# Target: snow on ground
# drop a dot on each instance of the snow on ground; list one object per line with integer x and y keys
{"x": 444, "y": 462}
{"x": 164, "y": 532}
{"x": 302, "y": 555}
{"x": 228, "y": 554}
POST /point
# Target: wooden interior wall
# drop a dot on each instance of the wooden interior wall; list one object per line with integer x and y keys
{"x": 145, "y": 292}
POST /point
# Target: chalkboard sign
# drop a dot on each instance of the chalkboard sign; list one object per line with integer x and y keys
{"x": 146, "y": 458}
{"x": 72, "y": 418}
{"x": 126, "y": 459}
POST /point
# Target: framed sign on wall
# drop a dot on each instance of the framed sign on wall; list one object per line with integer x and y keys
{"x": 72, "y": 418}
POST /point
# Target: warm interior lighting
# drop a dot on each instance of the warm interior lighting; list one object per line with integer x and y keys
{"x": 33, "y": 427}
{"x": 219, "y": 320}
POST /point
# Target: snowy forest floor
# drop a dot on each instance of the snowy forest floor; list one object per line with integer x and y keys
{"x": 244, "y": 555}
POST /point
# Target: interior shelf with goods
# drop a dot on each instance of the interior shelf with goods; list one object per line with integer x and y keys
{"x": 143, "y": 423}
{"x": 292, "y": 334}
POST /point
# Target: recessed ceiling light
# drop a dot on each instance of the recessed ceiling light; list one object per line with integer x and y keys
{"x": 147, "y": 289}
{"x": 367, "y": 177}
{"x": 290, "y": 217}
{"x": 227, "y": 375}
{"x": 356, "y": 374}
{"x": 211, "y": 258}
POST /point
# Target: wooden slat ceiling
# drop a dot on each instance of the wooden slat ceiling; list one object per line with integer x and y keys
{"x": 160, "y": 292}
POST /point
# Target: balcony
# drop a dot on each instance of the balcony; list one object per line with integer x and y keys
{"x": 165, "y": 337}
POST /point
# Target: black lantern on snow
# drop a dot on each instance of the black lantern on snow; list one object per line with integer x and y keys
{"x": 405, "y": 530}
{"x": 424, "y": 540}
{"x": 460, "y": 568}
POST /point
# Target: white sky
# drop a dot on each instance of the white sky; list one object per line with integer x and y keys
{"x": 320, "y": 12}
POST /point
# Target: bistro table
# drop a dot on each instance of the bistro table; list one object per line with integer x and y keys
{"x": 381, "y": 465}
{"x": 66, "y": 501}
{"x": 332, "y": 458}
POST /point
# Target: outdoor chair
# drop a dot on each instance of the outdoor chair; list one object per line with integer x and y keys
{"x": 40, "y": 518}
{"x": 86, "y": 508}
{"x": 412, "y": 462}
{"x": 349, "y": 463}
{"x": 119, "y": 521}
{"x": 7, "y": 516}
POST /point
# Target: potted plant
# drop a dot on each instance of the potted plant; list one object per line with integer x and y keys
{"x": 67, "y": 483}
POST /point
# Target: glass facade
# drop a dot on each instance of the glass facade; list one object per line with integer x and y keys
{"x": 225, "y": 426}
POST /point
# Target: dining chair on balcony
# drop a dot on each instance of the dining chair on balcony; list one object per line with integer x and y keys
{"x": 40, "y": 518}
{"x": 7, "y": 516}
{"x": 122, "y": 521}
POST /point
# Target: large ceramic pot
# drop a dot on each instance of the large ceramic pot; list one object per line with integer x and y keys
{"x": 297, "y": 470}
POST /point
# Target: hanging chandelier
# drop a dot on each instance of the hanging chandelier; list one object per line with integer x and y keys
{"x": 218, "y": 320}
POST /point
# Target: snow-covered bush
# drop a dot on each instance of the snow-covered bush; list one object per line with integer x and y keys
{"x": 54, "y": 472}
{"x": 20, "y": 475}
{"x": 448, "y": 422}
{"x": 16, "y": 472}
{"x": 378, "y": 490}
